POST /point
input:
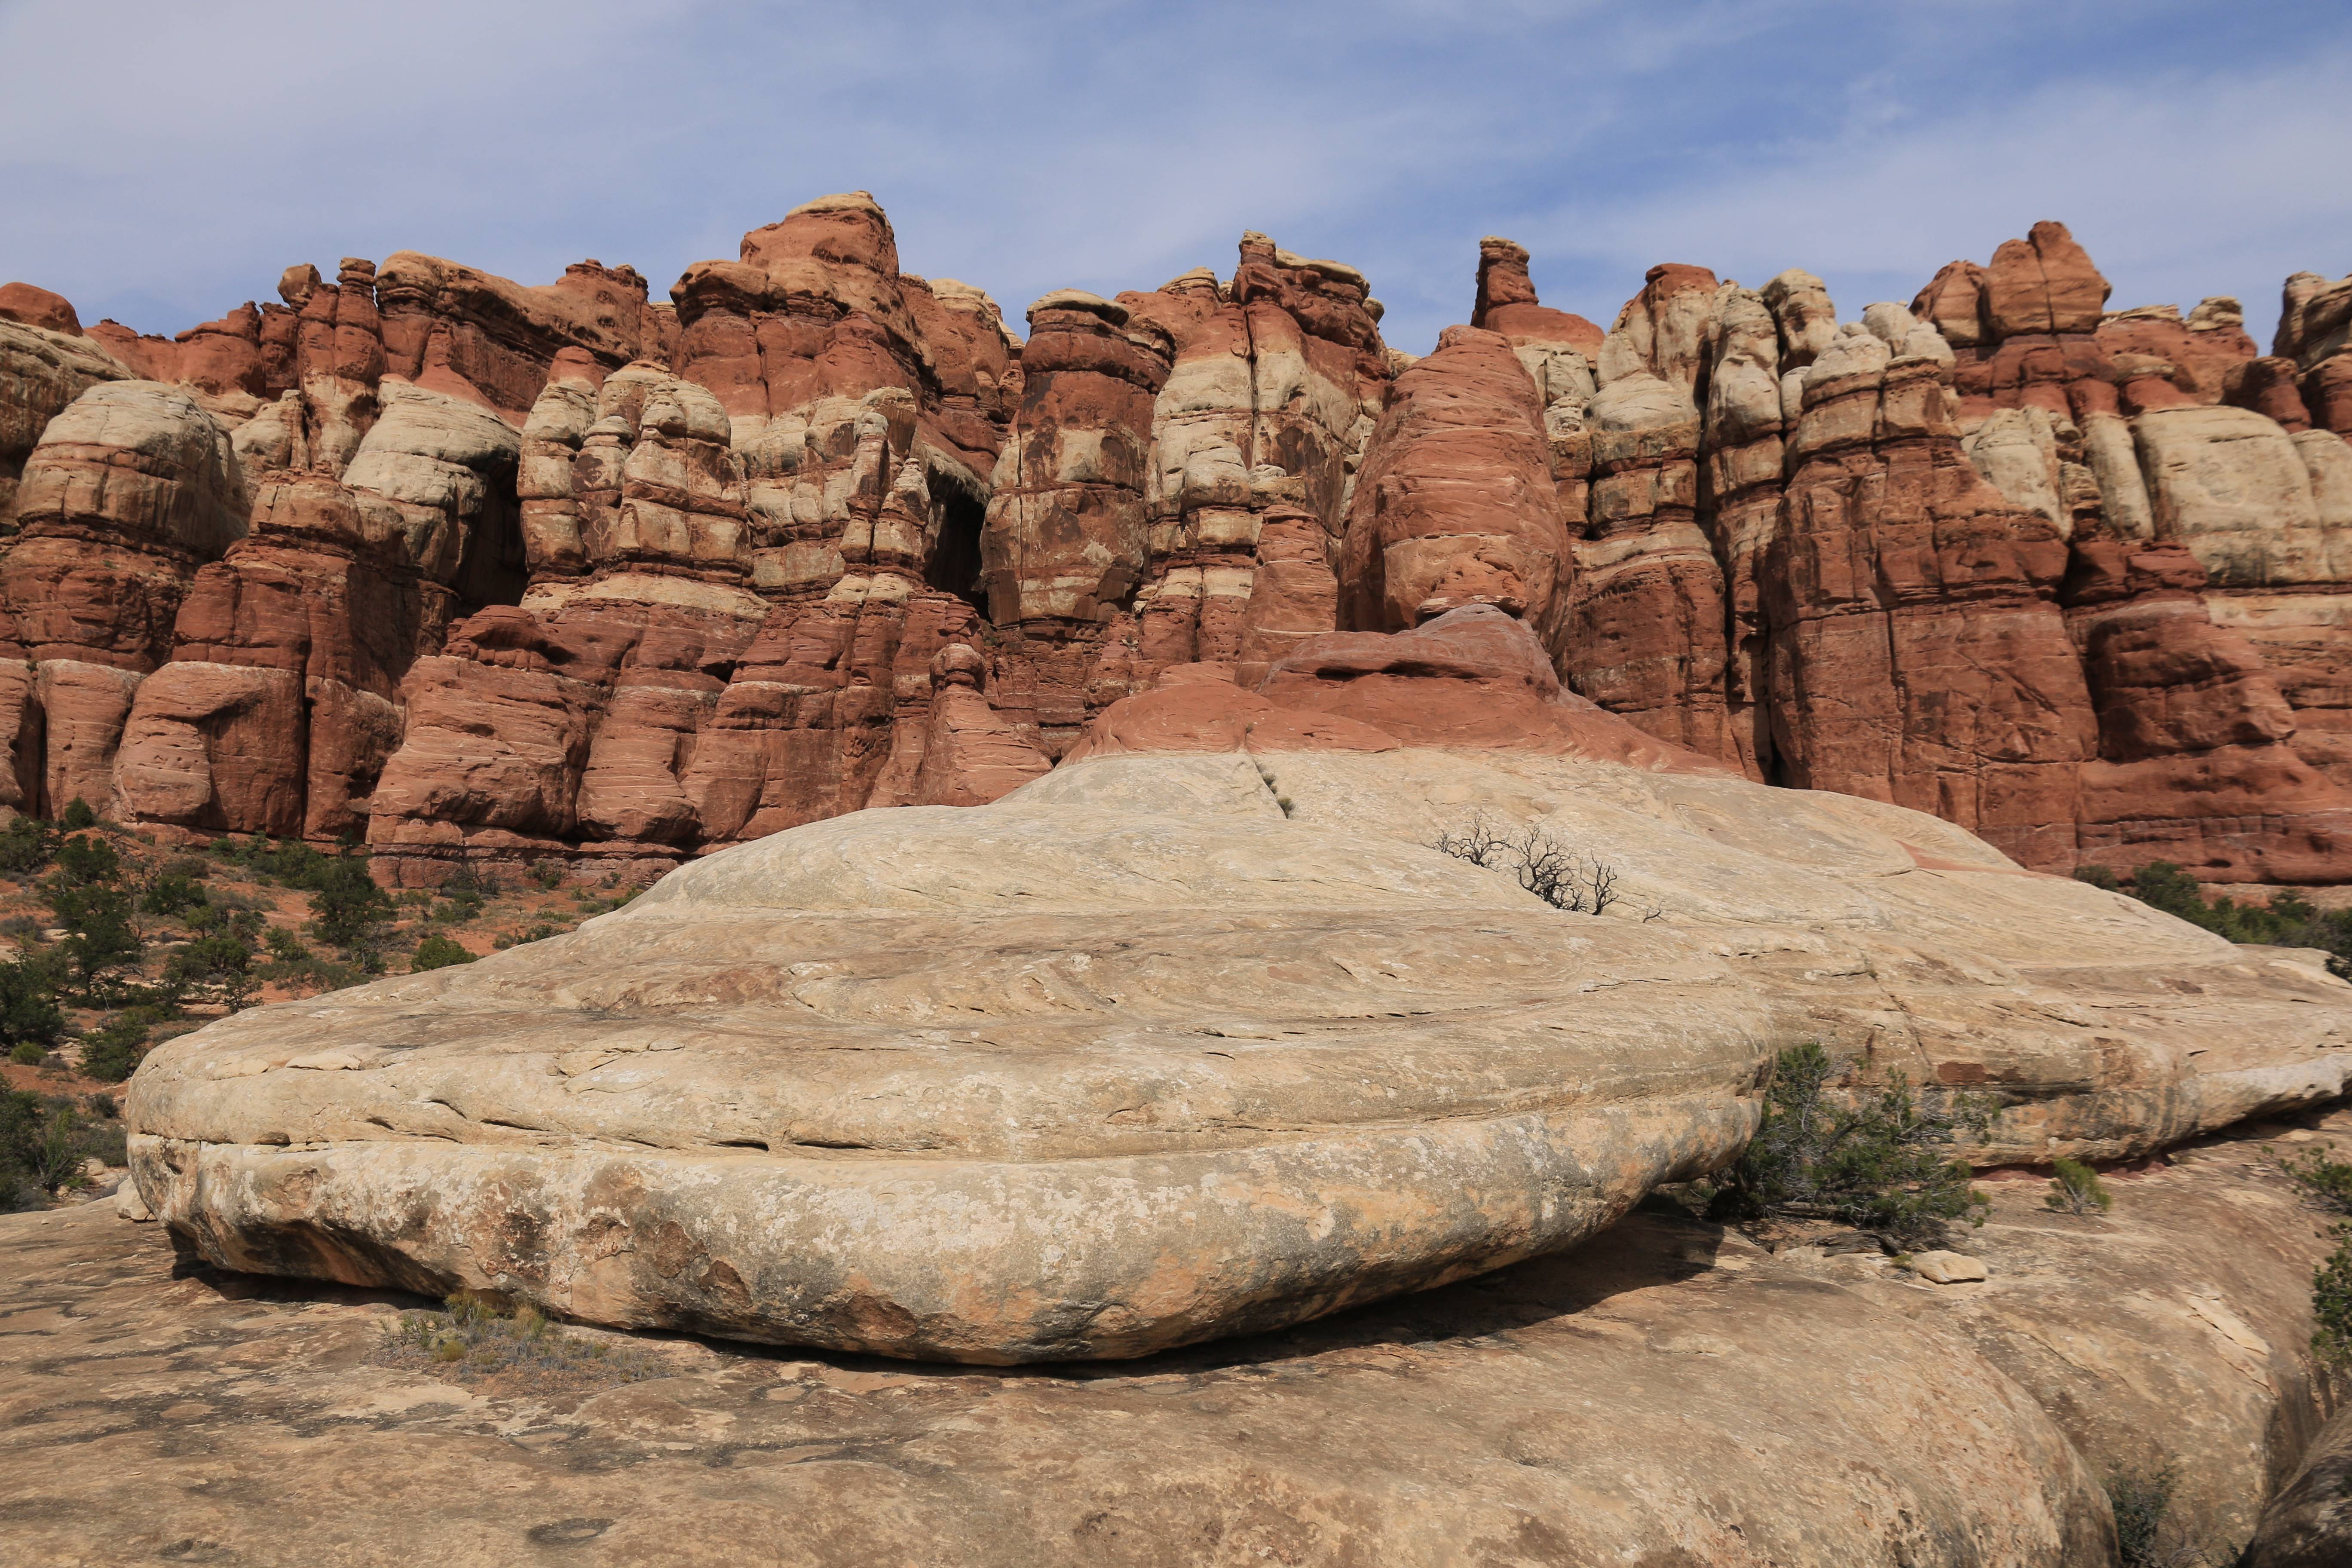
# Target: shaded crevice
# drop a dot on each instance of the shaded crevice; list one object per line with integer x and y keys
{"x": 955, "y": 566}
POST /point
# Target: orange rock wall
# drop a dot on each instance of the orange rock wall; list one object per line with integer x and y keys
{"x": 482, "y": 571}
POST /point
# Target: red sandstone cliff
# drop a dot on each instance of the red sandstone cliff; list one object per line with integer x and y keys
{"x": 481, "y": 569}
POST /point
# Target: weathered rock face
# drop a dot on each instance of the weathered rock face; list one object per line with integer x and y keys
{"x": 1918, "y": 652}
{"x": 2072, "y": 577}
{"x": 1761, "y": 340}
{"x": 1643, "y": 624}
{"x": 1255, "y": 440}
{"x": 451, "y": 329}
{"x": 130, "y": 490}
{"x": 2309, "y": 1524}
{"x": 2042, "y": 283}
{"x": 1454, "y": 504}
{"x": 667, "y": 1094}
{"x": 43, "y": 368}
{"x": 2315, "y": 335}
{"x": 1065, "y": 547}
{"x": 740, "y": 574}
{"x": 1668, "y": 1389}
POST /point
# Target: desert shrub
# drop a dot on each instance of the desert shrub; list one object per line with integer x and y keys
{"x": 77, "y": 815}
{"x": 111, "y": 1052}
{"x": 28, "y": 1053}
{"x": 27, "y": 846}
{"x": 2326, "y": 1183}
{"x": 221, "y": 963}
{"x": 100, "y": 1135}
{"x": 87, "y": 861}
{"x": 39, "y": 1151}
{"x": 310, "y": 972}
{"x": 1877, "y": 1158}
{"x": 97, "y": 913}
{"x": 468, "y": 878}
{"x": 2323, "y": 1182}
{"x": 2331, "y": 1303}
{"x": 1541, "y": 863}
{"x": 2075, "y": 1188}
{"x": 285, "y": 947}
{"x": 29, "y": 1003}
{"x": 546, "y": 875}
{"x": 538, "y": 931}
{"x": 101, "y": 938}
{"x": 176, "y": 889}
{"x": 437, "y": 952}
{"x": 2288, "y": 919}
{"x": 225, "y": 917}
{"x": 349, "y": 912}
{"x": 459, "y": 902}
{"x": 473, "y": 1338}
{"x": 2141, "y": 1501}
{"x": 267, "y": 860}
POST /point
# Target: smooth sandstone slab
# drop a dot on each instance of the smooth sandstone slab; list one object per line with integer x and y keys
{"x": 1131, "y": 1061}
{"x": 1132, "y": 1057}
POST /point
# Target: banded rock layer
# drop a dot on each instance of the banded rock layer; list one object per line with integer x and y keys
{"x": 487, "y": 572}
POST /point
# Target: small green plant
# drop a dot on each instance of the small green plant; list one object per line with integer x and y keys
{"x": 2140, "y": 1501}
{"x": 310, "y": 972}
{"x": 538, "y": 931}
{"x": 28, "y": 1002}
{"x": 473, "y": 1338}
{"x": 111, "y": 1052}
{"x": 2331, "y": 1303}
{"x": 87, "y": 861}
{"x": 29, "y": 1054}
{"x": 78, "y": 815}
{"x": 226, "y": 916}
{"x": 285, "y": 946}
{"x": 27, "y": 846}
{"x": 2326, "y": 1183}
{"x": 97, "y": 913}
{"x": 2289, "y": 919}
{"x": 547, "y": 874}
{"x": 460, "y": 902}
{"x": 1875, "y": 1157}
{"x": 101, "y": 938}
{"x": 40, "y": 1151}
{"x": 220, "y": 963}
{"x": 350, "y": 911}
{"x": 2076, "y": 1189}
{"x": 437, "y": 952}
{"x": 176, "y": 890}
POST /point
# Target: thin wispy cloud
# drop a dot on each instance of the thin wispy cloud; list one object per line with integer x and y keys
{"x": 174, "y": 159}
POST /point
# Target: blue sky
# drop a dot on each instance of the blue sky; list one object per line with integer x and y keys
{"x": 162, "y": 163}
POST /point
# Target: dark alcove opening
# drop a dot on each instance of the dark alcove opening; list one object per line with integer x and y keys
{"x": 955, "y": 559}
{"x": 494, "y": 569}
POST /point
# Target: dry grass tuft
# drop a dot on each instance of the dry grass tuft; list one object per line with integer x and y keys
{"x": 476, "y": 1340}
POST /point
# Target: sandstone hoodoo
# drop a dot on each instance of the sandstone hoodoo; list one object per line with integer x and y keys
{"x": 1196, "y": 1035}
{"x": 495, "y": 573}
